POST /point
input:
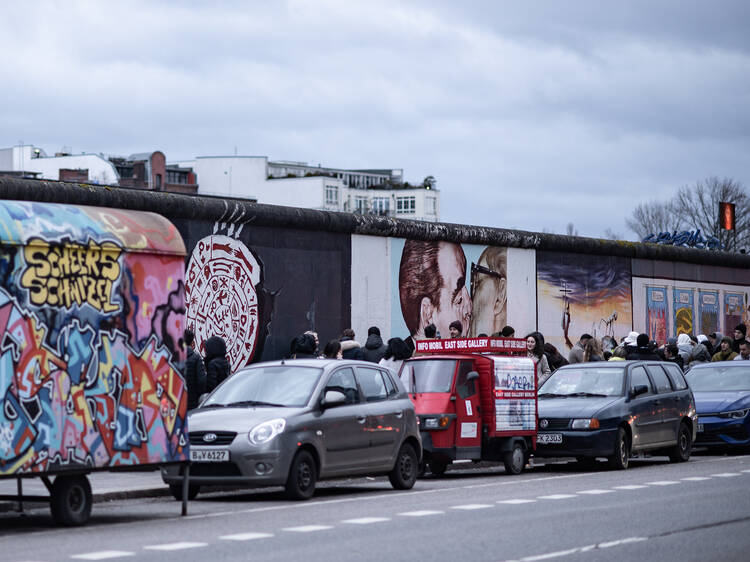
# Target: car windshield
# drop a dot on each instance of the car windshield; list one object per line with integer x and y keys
{"x": 596, "y": 382}
{"x": 719, "y": 378}
{"x": 278, "y": 385}
{"x": 428, "y": 376}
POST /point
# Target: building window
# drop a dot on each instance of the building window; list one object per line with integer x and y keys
{"x": 430, "y": 205}
{"x": 360, "y": 204}
{"x": 406, "y": 205}
{"x": 381, "y": 205}
{"x": 332, "y": 196}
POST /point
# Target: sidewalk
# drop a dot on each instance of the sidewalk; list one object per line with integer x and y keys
{"x": 105, "y": 486}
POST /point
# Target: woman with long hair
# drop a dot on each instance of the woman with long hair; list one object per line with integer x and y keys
{"x": 535, "y": 352}
{"x": 592, "y": 351}
{"x": 333, "y": 350}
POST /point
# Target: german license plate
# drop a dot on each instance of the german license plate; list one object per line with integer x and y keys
{"x": 700, "y": 427}
{"x": 547, "y": 438}
{"x": 209, "y": 455}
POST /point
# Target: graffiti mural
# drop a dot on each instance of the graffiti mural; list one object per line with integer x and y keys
{"x": 91, "y": 310}
{"x": 579, "y": 294}
{"x": 221, "y": 295}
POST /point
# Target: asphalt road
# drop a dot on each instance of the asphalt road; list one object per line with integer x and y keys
{"x": 655, "y": 510}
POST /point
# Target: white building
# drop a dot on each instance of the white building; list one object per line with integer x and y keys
{"x": 62, "y": 166}
{"x": 297, "y": 184}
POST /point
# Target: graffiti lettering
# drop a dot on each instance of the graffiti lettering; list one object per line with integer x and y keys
{"x": 67, "y": 274}
{"x": 693, "y": 239}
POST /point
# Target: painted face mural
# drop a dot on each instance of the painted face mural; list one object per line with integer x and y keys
{"x": 87, "y": 338}
{"x": 222, "y": 298}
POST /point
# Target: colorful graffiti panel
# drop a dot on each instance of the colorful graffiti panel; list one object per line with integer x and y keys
{"x": 734, "y": 305}
{"x": 683, "y": 312}
{"x": 657, "y": 313}
{"x": 708, "y": 307}
{"x": 89, "y": 332}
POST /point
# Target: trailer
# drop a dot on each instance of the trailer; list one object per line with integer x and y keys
{"x": 92, "y": 304}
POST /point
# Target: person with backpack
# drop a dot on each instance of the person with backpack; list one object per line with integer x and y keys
{"x": 217, "y": 366}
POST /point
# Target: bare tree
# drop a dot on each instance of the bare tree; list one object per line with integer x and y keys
{"x": 610, "y": 234}
{"x": 570, "y": 230}
{"x": 698, "y": 208}
{"x": 652, "y": 218}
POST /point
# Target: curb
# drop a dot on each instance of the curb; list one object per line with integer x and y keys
{"x": 10, "y": 506}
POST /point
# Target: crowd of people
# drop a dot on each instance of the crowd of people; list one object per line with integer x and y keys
{"x": 203, "y": 374}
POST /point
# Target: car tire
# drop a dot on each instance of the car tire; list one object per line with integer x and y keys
{"x": 621, "y": 458}
{"x": 515, "y": 459}
{"x": 681, "y": 451}
{"x": 404, "y": 473}
{"x": 437, "y": 468}
{"x": 70, "y": 500}
{"x": 300, "y": 484}
{"x": 176, "y": 491}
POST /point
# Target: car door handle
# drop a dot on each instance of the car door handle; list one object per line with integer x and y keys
{"x": 398, "y": 414}
{"x": 657, "y": 402}
{"x": 361, "y": 419}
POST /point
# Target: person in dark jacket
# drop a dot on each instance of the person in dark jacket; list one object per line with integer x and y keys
{"x": 374, "y": 347}
{"x": 304, "y": 347}
{"x": 739, "y": 336}
{"x": 193, "y": 370}
{"x": 217, "y": 366}
{"x": 554, "y": 358}
{"x": 350, "y": 348}
{"x": 672, "y": 354}
{"x": 643, "y": 350}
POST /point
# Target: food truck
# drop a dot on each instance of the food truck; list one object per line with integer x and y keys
{"x": 475, "y": 399}
{"x": 92, "y": 307}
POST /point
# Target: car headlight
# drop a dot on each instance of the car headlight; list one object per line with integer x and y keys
{"x": 587, "y": 423}
{"x": 436, "y": 422}
{"x": 735, "y": 414}
{"x": 266, "y": 431}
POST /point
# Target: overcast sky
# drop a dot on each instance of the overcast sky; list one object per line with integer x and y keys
{"x": 530, "y": 115}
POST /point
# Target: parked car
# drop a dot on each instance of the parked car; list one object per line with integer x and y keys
{"x": 614, "y": 409}
{"x": 722, "y": 399}
{"x": 291, "y": 423}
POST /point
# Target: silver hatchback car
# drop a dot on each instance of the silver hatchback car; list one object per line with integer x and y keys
{"x": 290, "y": 423}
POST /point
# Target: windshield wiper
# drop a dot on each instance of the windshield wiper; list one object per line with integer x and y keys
{"x": 254, "y": 403}
{"x": 588, "y": 394}
{"x": 206, "y": 406}
{"x": 552, "y": 395}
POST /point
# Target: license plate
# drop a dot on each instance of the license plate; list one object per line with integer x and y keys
{"x": 545, "y": 438}
{"x": 700, "y": 427}
{"x": 211, "y": 455}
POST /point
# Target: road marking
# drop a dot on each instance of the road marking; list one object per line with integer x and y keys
{"x": 695, "y": 478}
{"x": 103, "y": 555}
{"x": 514, "y": 502}
{"x": 176, "y": 546}
{"x": 746, "y": 471}
{"x": 470, "y": 506}
{"x": 422, "y": 513}
{"x": 581, "y": 549}
{"x": 726, "y": 474}
{"x": 246, "y": 536}
{"x": 595, "y": 492}
{"x": 631, "y": 487}
{"x": 557, "y": 497}
{"x": 308, "y": 528}
{"x": 366, "y": 520}
{"x": 662, "y": 483}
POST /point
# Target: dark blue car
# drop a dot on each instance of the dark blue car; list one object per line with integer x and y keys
{"x": 722, "y": 399}
{"x": 613, "y": 409}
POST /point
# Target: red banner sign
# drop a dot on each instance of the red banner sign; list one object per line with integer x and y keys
{"x": 508, "y": 346}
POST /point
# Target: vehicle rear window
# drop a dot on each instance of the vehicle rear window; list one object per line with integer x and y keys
{"x": 660, "y": 378}
{"x": 675, "y": 375}
{"x": 431, "y": 375}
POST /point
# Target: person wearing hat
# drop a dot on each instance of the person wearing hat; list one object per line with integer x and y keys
{"x": 725, "y": 353}
{"x": 702, "y": 338}
{"x": 456, "y": 328}
{"x": 739, "y": 336}
{"x": 576, "y": 354}
{"x": 642, "y": 350}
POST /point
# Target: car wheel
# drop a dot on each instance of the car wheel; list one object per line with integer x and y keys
{"x": 404, "y": 472}
{"x": 300, "y": 485}
{"x": 621, "y": 457}
{"x": 176, "y": 490}
{"x": 70, "y": 500}
{"x": 681, "y": 451}
{"x": 437, "y": 468}
{"x": 514, "y": 460}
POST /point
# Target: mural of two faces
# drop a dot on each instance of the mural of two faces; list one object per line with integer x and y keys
{"x": 91, "y": 311}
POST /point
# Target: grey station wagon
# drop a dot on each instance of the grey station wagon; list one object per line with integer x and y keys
{"x": 615, "y": 408}
{"x": 291, "y": 423}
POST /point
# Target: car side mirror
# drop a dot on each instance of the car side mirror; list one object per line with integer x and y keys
{"x": 202, "y": 398}
{"x": 332, "y": 398}
{"x": 472, "y": 376}
{"x": 638, "y": 390}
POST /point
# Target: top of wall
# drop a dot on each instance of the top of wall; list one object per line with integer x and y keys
{"x": 222, "y": 209}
